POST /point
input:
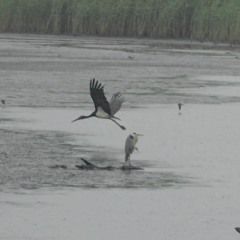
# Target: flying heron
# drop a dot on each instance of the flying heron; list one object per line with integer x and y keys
{"x": 103, "y": 108}
{"x": 237, "y": 229}
{"x": 130, "y": 144}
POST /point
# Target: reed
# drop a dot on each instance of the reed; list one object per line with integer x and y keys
{"x": 216, "y": 20}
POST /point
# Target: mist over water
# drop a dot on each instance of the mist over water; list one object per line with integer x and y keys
{"x": 45, "y": 82}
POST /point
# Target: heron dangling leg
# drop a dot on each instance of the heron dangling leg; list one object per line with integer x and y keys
{"x": 116, "y": 118}
{"x": 121, "y": 126}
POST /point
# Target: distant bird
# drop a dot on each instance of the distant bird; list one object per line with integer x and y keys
{"x": 130, "y": 57}
{"x": 237, "y": 229}
{"x": 130, "y": 144}
{"x": 180, "y": 106}
{"x": 103, "y": 108}
{"x": 3, "y": 101}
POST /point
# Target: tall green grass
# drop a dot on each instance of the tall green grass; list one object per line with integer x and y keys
{"x": 217, "y": 20}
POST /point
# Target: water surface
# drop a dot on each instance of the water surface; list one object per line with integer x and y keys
{"x": 45, "y": 81}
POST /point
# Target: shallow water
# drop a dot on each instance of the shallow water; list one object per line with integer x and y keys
{"x": 190, "y": 182}
{"x": 45, "y": 82}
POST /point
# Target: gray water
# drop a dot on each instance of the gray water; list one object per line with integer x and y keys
{"x": 45, "y": 80}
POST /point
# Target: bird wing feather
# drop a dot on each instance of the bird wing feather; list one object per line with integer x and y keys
{"x": 116, "y": 102}
{"x": 98, "y": 97}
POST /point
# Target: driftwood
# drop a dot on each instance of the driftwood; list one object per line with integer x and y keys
{"x": 86, "y": 165}
{"x": 58, "y": 166}
{"x": 90, "y": 166}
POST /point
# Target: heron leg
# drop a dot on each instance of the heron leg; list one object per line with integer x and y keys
{"x": 121, "y": 126}
{"x": 129, "y": 164}
{"x": 116, "y": 118}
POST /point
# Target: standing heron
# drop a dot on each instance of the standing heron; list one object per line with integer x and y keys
{"x": 130, "y": 144}
{"x": 103, "y": 108}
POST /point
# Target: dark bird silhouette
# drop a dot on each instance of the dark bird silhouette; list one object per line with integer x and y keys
{"x": 103, "y": 108}
{"x": 237, "y": 229}
{"x": 3, "y": 101}
{"x": 180, "y": 106}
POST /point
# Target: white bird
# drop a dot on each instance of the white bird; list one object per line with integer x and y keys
{"x": 103, "y": 108}
{"x": 130, "y": 144}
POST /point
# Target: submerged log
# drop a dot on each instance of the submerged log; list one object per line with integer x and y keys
{"x": 90, "y": 166}
{"x": 58, "y": 166}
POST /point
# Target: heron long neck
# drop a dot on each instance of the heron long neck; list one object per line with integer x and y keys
{"x": 88, "y": 116}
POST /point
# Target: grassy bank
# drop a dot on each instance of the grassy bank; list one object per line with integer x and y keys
{"x": 216, "y": 20}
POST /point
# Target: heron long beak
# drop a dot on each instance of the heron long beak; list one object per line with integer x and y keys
{"x": 76, "y": 119}
{"x": 139, "y": 134}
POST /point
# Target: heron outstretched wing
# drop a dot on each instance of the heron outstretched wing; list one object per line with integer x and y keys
{"x": 116, "y": 102}
{"x": 98, "y": 97}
